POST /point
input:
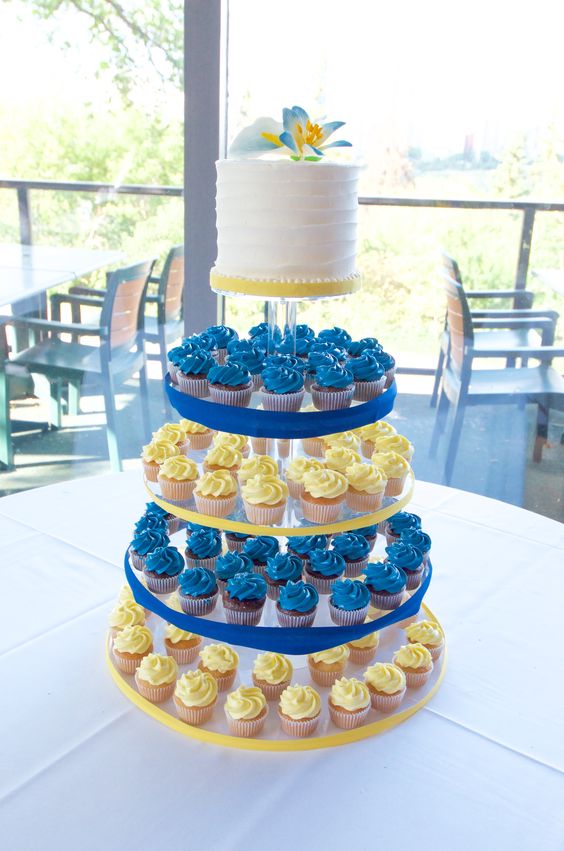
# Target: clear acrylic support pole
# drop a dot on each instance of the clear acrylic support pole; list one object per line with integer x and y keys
{"x": 285, "y": 448}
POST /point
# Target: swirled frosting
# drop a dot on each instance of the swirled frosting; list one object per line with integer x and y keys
{"x": 366, "y": 367}
{"x": 333, "y": 376}
{"x": 298, "y": 597}
{"x": 416, "y": 538}
{"x": 337, "y": 336}
{"x": 159, "y": 450}
{"x": 170, "y": 431}
{"x": 300, "y": 702}
{"x": 219, "y": 657}
{"x": 341, "y": 457}
{"x": 368, "y": 531}
{"x": 387, "y": 361}
{"x": 133, "y": 639}
{"x": 191, "y": 427}
{"x": 222, "y": 335}
{"x": 283, "y": 566}
{"x": 315, "y": 360}
{"x": 198, "y": 582}
{"x": 165, "y": 561}
{"x": 333, "y": 656}
{"x": 261, "y": 548}
{"x": 152, "y": 521}
{"x": 402, "y": 521}
{"x": 175, "y": 635}
{"x": 216, "y": 483}
{"x": 304, "y": 544}
{"x": 285, "y": 361}
{"x": 245, "y": 703}
{"x": 198, "y": 362}
{"x": 176, "y": 354}
{"x": 180, "y": 468}
{"x": 148, "y": 541}
{"x": 125, "y": 595}
{"x": 246, "y": 586}
{"x": 258, "y": 465}
{"x": 366, "y": 478}
{"x": 326, "y": 562}
{"x": 226, "y": 438}
{"x": 325, "y": 484}
{"x": 205, "y": 543}
{"x": 196, "y": 688}
{"x": 230, "y": 375}
{"x": 282, "y": 379}
{"x": 383, "y": 576}
{"x": 264, "y": 328}
{"x": 157, "y": 670}
{"x": 413, "y": 656}
{"x": 231, "y": 563}
{"x": 224, "y": 456}
{"x": 357, "y": 347}
{"x": 264, "y": 490}
{"x": 252, "y": 359}
{"x": 347, "y": 439}
{"x": 393, "y": 443}
{"x": 425, "y": 632}
{"x": 290, "y": 345}
{"x": 330, "y": 348}
{"x": 235, "y": 347}
{"x": 351, "y": 545}
{"x": 373, "y": 430}
{"x": 299, "y": 466}
{"x": 153, "y": 508}
{"x": 349, "y": 595}
{"x": 405, "y": 556}
{"x": 350, "y": 694}
{"x": 385, "y": 677}
{"x": 273, "y": 668}
{"x": 202, "y": 341}
{"x": 391, "y": 464}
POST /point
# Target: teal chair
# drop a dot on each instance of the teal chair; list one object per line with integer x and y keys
{"x": 15, "y": 383}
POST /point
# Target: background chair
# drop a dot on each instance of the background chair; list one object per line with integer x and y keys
{"x": 15, "y": 383}
{"x": 119, "y": 354}
{"x": 462, "y": 385}
{"x": 500, "y": 337}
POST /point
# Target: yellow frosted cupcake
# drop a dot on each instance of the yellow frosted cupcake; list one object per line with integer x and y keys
{"x": 326, "y": 666}
{"x": 363, "y": 650}
{"x": 195, "y": 696}
{"x": 299, "y": 710}
{"x": 198, "y": 436}
{"x": 181, "y": 645}
{"x": 340, "y": 457}
{"x": 175, "y": 433}
{"x": 369, "y": 433}
{"x": 416, "y": 662}
{"x": 429, "y": 634}
{"x": 216, "y": 494}
{"x": 367, "y": 485}
{"x": 265, "y": 498}
{"x": 128, "y": 613}
{"x": 393, "y": 443}
{"x": 272, "y": 672}
{"x": 346, "y": 439}
{"x": 130, "y": 645}
{"x": 156, "y": 453}
{"x": 236, "y": 441}
{"x": 155, "y": 677}
{"x": 386, "y": 684}
{"x": 295, "y": 472}
{"x": 395, "y": 468}
{"x": 223, "y": 457}
{"x": 323, "y": 495}
{"x": 246, "y": 711}
{"x": 177, "y": 478}
{"x": 349, "y": 703}
{"x": 257, "y": 465}
{"x": 221, "y": 662}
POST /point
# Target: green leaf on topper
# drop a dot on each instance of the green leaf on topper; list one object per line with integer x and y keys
{"x": 297, "y": 134}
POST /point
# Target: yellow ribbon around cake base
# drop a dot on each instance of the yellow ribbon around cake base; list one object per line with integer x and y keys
{"x": 312, "y": 743}
{"x": 225, "y": 284}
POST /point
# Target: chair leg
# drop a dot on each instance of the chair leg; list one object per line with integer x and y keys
{"x": 144, "y": 393}
{"x": 6, "y": 447}
{"x": 55, "y": 403}
{"x": 74, "y": 398}
{"x": 454, "y": 439}
{"x": 541, "y": 437}
{"x": 111, "y": 422}
{"x": 438, "y": 376}
{"x": 440, "y": 421}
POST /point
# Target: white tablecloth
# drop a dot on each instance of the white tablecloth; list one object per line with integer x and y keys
{"x": 80, "y": 768}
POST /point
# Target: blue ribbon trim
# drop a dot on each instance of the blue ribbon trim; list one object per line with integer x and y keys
{"x": 279, "y": 424}
{"x": 297, "y": 642}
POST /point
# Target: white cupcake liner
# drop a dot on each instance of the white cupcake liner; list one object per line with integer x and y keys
{"x": 194, "y": 715}
{"x": 257, "y": 381}
{"x": 156, "y": 694}
{"x": 416, "y": 680}
{"x": 264, "y": 515}
{"x": 260, "y": 568}
{"x": 390, "y": 376}
{"x": 271, "y": 691}
{"x": 262, "y": 445}
{"x": 366, "y": 390}
{"x": 331, "y": 400}
{"x": 386, "y": 702}
{"x": 247, "y": 728}
{"x": 151, "y": 471}
{"x": 304, "y": 619}
{"x": 413, "y": 578}
{"x": 283, "y": 448}
{"x": 235, "y": 545}
{"x": 221, "y": 356}
{"x": 220, "y": 506}
{"x": 174, "y": 525}
{"x": 209, "y": 563}
{"x": 362, "y": 655}
{"x": 239, "y": 398}
{"x": 160, "y": 584}
{"x": 296, "y": 489}
{"x": 308, "y": 381}
{"x": 363, "y": 503}
{"x": 313, "y": 446}
{"x": 273, "y": 591}
{"x": 300, "y": 728}
{"x": 318, "y": 512}
{"x": 173, "y": 371}
{"x": 355, "y": 568}
{"x": 347, "y": 720}
{"x": 175, "y": 490}
{"x": 324, "y": 678}
{"x": 198, "y": 606}
{"x": 197, "y": 387}
{"x": 137, "y": 560}
{"x": 243, "y": 617}
{"x": 130, "y": 662}
{"x": 386, "y": 602}
{"x": 341, "y": 617}
{"x": 183, "y": 655}
{"x": 282, "y": 401}
{"x": 200, "y": 440}
{"x": 394, "y": 486}
{"x": 323, "y": 584}
{"x": 434, "y": 650}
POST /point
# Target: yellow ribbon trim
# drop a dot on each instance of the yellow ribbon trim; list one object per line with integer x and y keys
{"x": 284, "y": 289}
{"x": 291, "y": 531}
{"x": 331, "y": 741}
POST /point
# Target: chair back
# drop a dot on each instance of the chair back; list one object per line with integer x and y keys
{"x": 459, "y": 324}
{"x": 451, "y": 268}
{"x": 171, "y": 287}
{"x": 123, "y": 310}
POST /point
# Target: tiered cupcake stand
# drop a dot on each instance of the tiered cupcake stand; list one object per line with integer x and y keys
{"x": 295, "y": 643}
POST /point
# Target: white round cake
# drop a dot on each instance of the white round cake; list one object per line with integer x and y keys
{"x": 281, "y": 220}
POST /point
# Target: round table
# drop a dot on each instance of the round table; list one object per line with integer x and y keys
{"x": 481, "y": 766}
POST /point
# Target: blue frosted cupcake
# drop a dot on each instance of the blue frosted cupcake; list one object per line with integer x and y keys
{"x": 202, "y": 548}
{"x": 386, "y": 584}
{"x": 398, "y": 523}
{"x": 145, "y": 542}
{"x": 156, "y": 522}
{"x": 302, "y": 545}
{"x": 409, "y": 559}
{"x": 283, "y": 389}
{"x": 355, "y": 550}
{"x": 280, "y": 569}
{"x": 417, "y": 538}
{"x": 337, "y": 336}
{"x": 162, "y": 569}
{"x": 388, "y": 364}
{"x": 244, "y": 598}
{"x": 223, "y": 335}
{"x": 333, "y": 388}
{"x": 153, "y": 510}
{"x": 369, "y": 376}
{"x": 315, "y": 361}
{"x": 287, "y": 361}
{"x": 230, "y": 384}
{"x": 230, "y": 564}
{"x": 197, "y": 591}
{"x": 370, "y": 533}
{"x": 254, "y": 361}
{"x": 349, "y": 601}
{"x": 194, "y": 527}
{"x": 260, "y": 549}
{"x": 297, "y": 604}
{"x": 236, "y": 541}
{"x": 192, "y": 373}
{"x": 298, "y": 346}
{"x": 325, "y": 566}
{"x": 265, "y": 335}
{"x": 203, "y": 341}
{"x": 366, "y": 344}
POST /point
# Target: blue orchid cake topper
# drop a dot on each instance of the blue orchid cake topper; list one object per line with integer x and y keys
{"x": 303, "y": 138}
